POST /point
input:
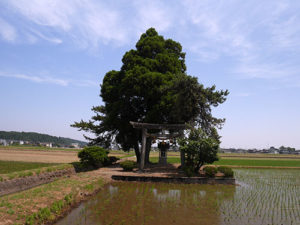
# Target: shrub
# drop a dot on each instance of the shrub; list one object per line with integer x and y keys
{"x": 210, "y": 171}
{"x": 93, "y": 156}
{"x": 128, "y": 165}
{"x": 198, "y": 149}
{"x": 228, "y": 172}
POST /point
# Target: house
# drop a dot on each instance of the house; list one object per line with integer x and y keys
{"x": 3, "y": 142}
{"x": 75, "y": 145}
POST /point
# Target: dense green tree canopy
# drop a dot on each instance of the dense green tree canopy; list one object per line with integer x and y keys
{"x": 152, "y": 86}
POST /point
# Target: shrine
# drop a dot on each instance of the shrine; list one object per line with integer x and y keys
{"x": 167, "y": 132}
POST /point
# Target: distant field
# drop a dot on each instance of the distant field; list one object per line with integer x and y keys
{"x": 25, "y": 147}
{"x": 12, "y": 166}
{"x": 27, "y": 155}
{"x": 245, "y": 162}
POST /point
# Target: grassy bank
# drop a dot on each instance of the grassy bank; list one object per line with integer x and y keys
{"x": 245, "y": 162}
{"x": 47, "y": 202}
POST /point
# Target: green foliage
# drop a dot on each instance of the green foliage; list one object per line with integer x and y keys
{"x": 227, "y": 171}
{"x": 152, "y": 86}
{"x": 93, "y": 156}
{"x": 199, "y": 149}
{"x": 128, "y": 165}
{"x": 210, "y": 171}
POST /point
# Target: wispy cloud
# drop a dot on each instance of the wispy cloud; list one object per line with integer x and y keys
{"x": 47, "y": 38}
{"x": 7, "y": 31}
{"x": 51, "y": 80}
{"x": 86, "y": 22}
{"x": 37, "y": 79}
{"x": 261, "y": 38}
{"x": 152, "y": 14}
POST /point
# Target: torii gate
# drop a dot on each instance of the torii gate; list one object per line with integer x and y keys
{"x": 145, "y": 134}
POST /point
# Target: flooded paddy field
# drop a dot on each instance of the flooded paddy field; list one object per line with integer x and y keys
{"x": 263, "y": 196}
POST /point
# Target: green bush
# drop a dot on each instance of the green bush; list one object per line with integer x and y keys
{"x": 228, "y": 172}
{"x": 93, "y": 156}
{"x": 210, "y": 171}
{"x": 128, "y": 165}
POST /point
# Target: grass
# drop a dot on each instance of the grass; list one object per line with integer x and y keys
{"x": 12, "y": 166}
{"x": 244, "y": 162}
{"x": 43, "y": 204}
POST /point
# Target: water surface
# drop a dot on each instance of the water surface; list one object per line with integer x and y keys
{"x": 264, "y": 196}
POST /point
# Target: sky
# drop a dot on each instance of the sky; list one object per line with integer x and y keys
{"x": 54, "y": 55}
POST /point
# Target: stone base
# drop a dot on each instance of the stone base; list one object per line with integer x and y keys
{"x": 185, "y": 180}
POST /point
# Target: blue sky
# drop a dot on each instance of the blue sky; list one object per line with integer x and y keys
{"x": 54, "y": 55}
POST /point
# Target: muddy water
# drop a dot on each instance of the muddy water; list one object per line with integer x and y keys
{"x": 263, "y": 197}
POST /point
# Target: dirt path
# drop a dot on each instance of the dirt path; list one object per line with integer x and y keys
{"x": 38, "y": 156}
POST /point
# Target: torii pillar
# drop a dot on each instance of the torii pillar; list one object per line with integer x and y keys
{"x": 145, "y": 127}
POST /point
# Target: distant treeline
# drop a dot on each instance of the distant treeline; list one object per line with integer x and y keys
{"x": 34, "y": 138}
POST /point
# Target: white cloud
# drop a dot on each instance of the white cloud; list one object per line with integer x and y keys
{"x": 152, "y": 14}
{"x": 51, "y": 80}
{"x": 32, "y": 38}
{"x": 7, "y": 31}
{"x": 37, "y": 79}
{"x": 86, "y": 22}
{"x": 262, "y": 39}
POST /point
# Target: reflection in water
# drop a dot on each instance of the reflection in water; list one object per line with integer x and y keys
{"x": 112, "y": 190}
{"x": 265, "y": 197}
{"x": 171, "y": 194}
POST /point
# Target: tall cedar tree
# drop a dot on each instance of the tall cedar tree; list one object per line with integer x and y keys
{"x": 151, "y": 87}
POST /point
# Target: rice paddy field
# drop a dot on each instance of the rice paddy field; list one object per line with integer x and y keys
{"x": 246, "y": 162}
{"x": 262, "y": 196}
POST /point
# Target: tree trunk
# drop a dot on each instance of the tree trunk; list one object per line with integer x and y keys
{"x": 148, "y": 149}
{"x": 137, "y": 152}
{"x": 199, "y": 165}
